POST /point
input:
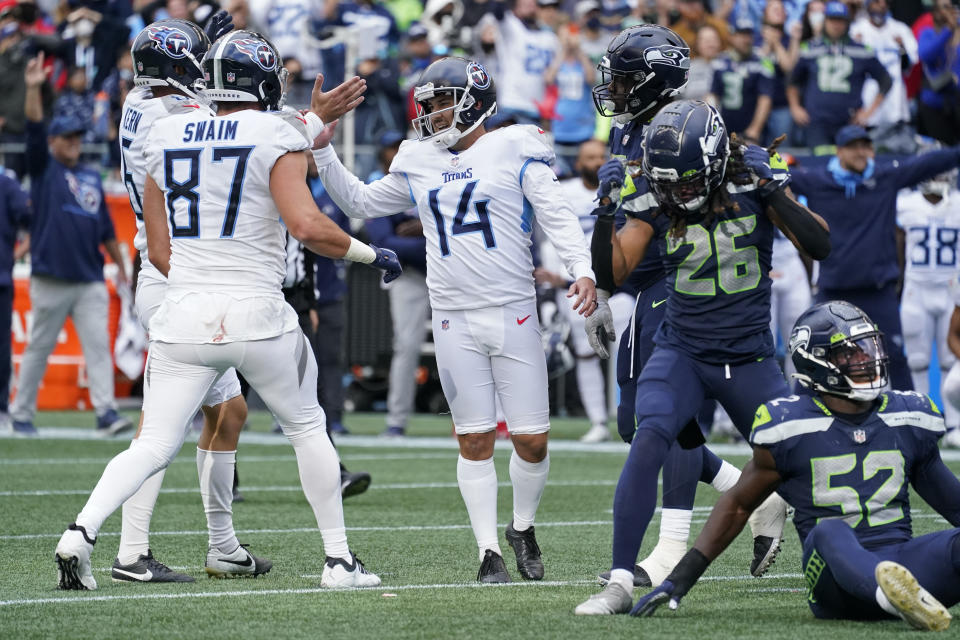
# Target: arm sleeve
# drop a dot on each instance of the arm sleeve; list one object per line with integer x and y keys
{"x": 932, "y": 45}
{"x": 37, "y": 153}
{"x": 914, "y": 170}
{"x": 938, "y": 486}
{"x": 557, "y": 219}
{"x": 411, "y": 251}
{"x": 388, "y": 195}
{"x": 876, "y": 71}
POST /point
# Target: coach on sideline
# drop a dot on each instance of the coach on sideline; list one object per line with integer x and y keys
{"x": 857, "y": 196}
{"x": 70, "y": 223}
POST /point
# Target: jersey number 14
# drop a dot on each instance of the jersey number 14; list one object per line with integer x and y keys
{"x": 481, "y": 225}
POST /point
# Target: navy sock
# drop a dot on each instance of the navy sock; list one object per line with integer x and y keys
{"x": 852, "y": 566}
{"x": 636, "y": 496}
{"x": 711, "y": 465}
{"x": 681, "y": 472}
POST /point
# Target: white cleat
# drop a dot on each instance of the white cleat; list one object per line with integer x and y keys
{"x": 597, "y": 433}
{"x": 915, "y": 604}
{"x": 661, "y": 561}
{"x": 766, "y": 524}
{"x": 340, "y": 574}
{"x": 612, "y": 600}
{"x": 73, "y": 560}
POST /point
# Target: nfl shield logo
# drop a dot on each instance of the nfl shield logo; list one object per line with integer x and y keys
{"x": 859, "y": 436}
{"x": 231, "y": 76}
{"x": 455, "y": 161}
{"x": 444, "y": 324}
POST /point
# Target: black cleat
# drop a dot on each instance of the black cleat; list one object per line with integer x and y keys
{"x": 146, "y": 569}
{"x": 492, "y": 569}
{"x": 640, "y": 577}
{"x": 765, "y": 550}
{"x": 353, "y": 483}
{"x": 524, "y": 544}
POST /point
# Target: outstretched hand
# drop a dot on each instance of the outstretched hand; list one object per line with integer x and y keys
{"x": 219, "y": 25}
{"x": 330, "y": 105}
{"x": 599, "y": 326}
{"x": 388, "y": 262}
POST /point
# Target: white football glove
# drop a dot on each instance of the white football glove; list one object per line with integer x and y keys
{"x": 599, "y": 324}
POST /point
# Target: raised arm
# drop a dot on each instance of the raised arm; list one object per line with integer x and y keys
{"x": 386, "y": 196}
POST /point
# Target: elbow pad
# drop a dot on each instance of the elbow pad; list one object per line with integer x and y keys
{"x": 813, "y": 238}
{"x": 601, "y": 250}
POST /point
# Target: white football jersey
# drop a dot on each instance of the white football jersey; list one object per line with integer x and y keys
{"x": 140, "y": 111}
{"x": 883, "y": 40}
{"x": 228, "y": 246}
{"x": 477, "y": 209}
{"x": 932, "y": 232}
{"x": 523, "y": 55}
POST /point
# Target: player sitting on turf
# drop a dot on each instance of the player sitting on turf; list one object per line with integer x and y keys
{"x": 845, "y": 457}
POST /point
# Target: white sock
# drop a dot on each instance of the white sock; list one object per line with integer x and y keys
{"x": 135, "y": 523}
{"x": 726, "y": 477}
{"x": 215, "y": 469}
{"x": 319, "y": 468}
{"x": 885, "y": 603}
{"x": 624, "y": 578}
{"x": 529, "y": 479}
{"x": 921, "y": 380}
{"x": 675, "y": 524}
{"x": 478, "y": 486}
{"x": 121, "y": 478}
{"x": 592, "y": 393}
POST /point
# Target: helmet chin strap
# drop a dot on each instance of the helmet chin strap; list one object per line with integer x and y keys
{"x": 453, "y": 136}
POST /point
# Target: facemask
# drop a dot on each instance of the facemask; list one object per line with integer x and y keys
{"x": 878, "y": 18}
{"x": 816, "y": 19}
{"x": 83, "y": 28}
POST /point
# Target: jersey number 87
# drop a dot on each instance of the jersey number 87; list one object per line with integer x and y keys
{"x": 186, "y": 189}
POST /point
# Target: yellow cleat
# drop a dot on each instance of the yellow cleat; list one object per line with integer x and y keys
{"x": 920, "y": 609}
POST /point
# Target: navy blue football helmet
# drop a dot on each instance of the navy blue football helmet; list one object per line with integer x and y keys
{"x": 837, "y": 349}
{"x": 243, "y": 66}
{"x": 646, "y": 66}
{"x": 167, "y": 53}
{"x": 685, "y": 153}
{"x": 472, "y": 90}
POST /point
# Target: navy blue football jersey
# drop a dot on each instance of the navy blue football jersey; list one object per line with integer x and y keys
{"x": 626, "y": 144}
{"x": 738, "y": 84}
{"x": 718, "y": 302}
{"x": 834, "y": 468}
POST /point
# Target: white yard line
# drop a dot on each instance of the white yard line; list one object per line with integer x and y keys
{"x": 183, "y": 459}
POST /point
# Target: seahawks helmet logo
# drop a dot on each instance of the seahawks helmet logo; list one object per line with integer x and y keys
{"x": 170, "y": 40}
{"x": 258, "y": 51}
{"x": 478, "y": 75}
{"x": 800, "y": 338}
{"x": 673, "y": 56}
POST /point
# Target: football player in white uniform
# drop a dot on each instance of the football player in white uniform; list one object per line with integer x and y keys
{"x": 477, "y": 193}
{"x": 951, "y": 381}
{"x": 229, "y": 184}
{"x": 930, "y": 219}
{"x": 166, "y": 65}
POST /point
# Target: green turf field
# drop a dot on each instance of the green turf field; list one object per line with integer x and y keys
{"x": 410, "y": 527}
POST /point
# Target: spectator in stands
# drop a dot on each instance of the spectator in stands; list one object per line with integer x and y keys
{"x": 896, "y": 49}
{"x": 781, "y": 49}
{"x": 827, "y": 84}
{"x": 572, "y": 73}
{"x": 857, "y": 196}
{"x": 409, "y": 303}
{"x": 92, "y": 40}
{"x": 708, "y": 45}
{"x": 743, "y": 85}
{"x": 939, "y": 45}
{"x": 77, "y": 99}
{"x": 14, "y": 218}
{"x": 12, "y": 89}
{"x": 593, "y": 37}
{"x": 693, "y": 15}
{"x": 70, "y": 223}
{"x": 383, "y": 108}
{"x": 371, "y": 25}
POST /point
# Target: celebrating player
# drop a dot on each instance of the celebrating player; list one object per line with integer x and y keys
{"x": 227, "y": 182}
{"x": 843, "y": 458}
{"x": 477, "y": 192}
{"x": 713, "y": 212}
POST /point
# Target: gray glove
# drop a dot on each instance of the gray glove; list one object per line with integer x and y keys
{"x": 599, "y": 325}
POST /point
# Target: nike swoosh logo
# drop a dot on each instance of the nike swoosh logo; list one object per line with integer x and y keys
{"x": 146, "y": 576}
{"x": 657, "y": 304}
{"x": 246, "y": 562}
{"x": 519, "y": 321}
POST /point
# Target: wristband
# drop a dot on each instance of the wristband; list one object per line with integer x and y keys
{"x": 360, "y": 252}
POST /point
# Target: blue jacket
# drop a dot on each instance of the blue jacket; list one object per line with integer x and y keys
{"x": 329, "y": 275}
{"x": 932, "y": 48}
{"x": 14, "y": 215}
{"x": 70, "y": 215}
{"x": 863, "y": 216}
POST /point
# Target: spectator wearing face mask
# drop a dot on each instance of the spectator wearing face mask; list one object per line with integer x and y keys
{"x": 896, "y": 49}
{"x": 91, "y": 40}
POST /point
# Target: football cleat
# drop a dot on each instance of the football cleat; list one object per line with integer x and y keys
{"x": 73, "y": 560}
{"x": 146, "y": 569}
{"x": 766, "y": 524}
{"x": 492, "y": 569}
{"x": 640, "y": 577}
{"x": 915, "y": 604}
{"x": 597, "y": 433}
{"x": 654, "y": 569}
{"x": 340, "y": 574}
{"x": 23, "y": 428}
{"x": 394, "y": 432}
{"x": 612, "y": 600}
{"x": 524, "y": 544}
{"x": 353, "y": 483}
{"x": 238, "y": 564}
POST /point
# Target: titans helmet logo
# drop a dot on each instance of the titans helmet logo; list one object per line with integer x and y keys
{"x": 258, "y": 51}
{"x": 478, "y": 75}
{"x": 170, "y": 40}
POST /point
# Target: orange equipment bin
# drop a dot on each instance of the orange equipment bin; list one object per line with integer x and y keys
{"x": 64, "y": 384}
